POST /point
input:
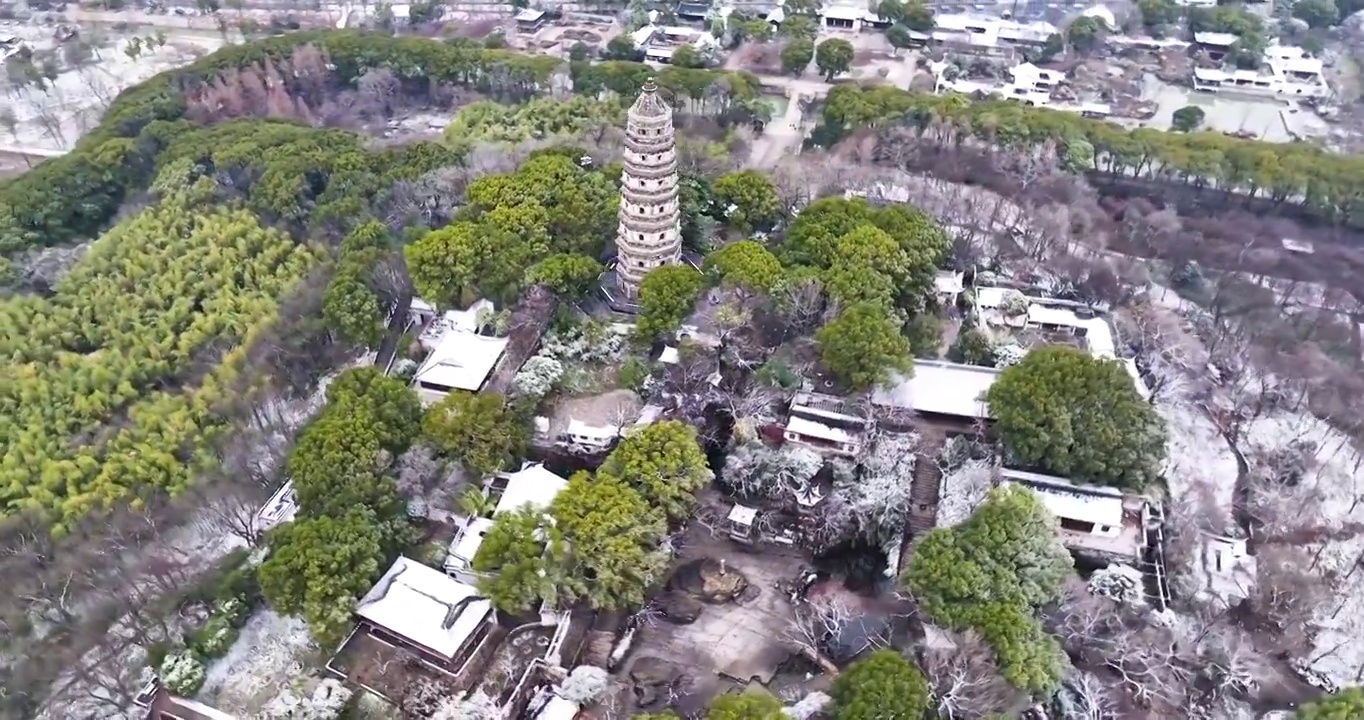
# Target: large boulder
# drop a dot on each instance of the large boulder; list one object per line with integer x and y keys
{"x": 709, "y": 580}
{"x": 681, "y": 608}
{"x": 652, "y": 678}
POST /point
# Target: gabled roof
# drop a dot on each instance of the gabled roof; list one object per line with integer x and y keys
{"x": 425, "y": 607}
{"x": 461, "y": 361}
{"x": 941, "y": 388}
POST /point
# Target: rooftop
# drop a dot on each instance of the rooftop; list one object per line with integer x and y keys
{"x": 425, "y": 607}
{"x": 941, "y": 388}
{"x": 531, "y": 487}
{"x": 814, "y": 429}
{"x": 1216, "y": 39}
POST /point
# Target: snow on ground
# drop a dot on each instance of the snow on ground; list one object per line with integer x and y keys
{"x": 1199, "y": 464}
{"x": 270, "y": 652}
{"x": 55, "y": 118}
{"x": 1332, "y": 495}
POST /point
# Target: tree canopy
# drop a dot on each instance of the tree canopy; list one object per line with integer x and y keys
{"x": 796, "y": 56}
{"x": 481, "y": 431}
{"x": 863, "y": 346}
{"x": 752, "y": 705}
{"x": 318, "y": 566}
{"x": 746, "y": 264}
{"x": 568, "y": 274}
{"x": 667, "y": 296}
{"x": 990, "y": 573}
{"x": 833, "y": 57}
{"x": 524, "y": 561}
{"x": 1345, "y": 705}
{"x": 881, "y": 685}
{"x": 664, "y": 462}
{"x": 1079, "y": 417}
{"x": 747, "y": 199}
{"x": 614, "y": 534}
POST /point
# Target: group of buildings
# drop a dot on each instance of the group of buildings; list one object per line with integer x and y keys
{"x": 1099, "y": 522}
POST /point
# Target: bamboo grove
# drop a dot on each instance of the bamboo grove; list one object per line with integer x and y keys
{"x": 112, "y": 382}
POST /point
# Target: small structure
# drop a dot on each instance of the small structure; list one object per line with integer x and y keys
{"x": 1301, "y": 247}
{"x": 530, "y": 487}
{"x": 1230, "y": 567}
{"x": 528, "y": 20}
{"x": 1217, "y": 44}
{"x": 459, "y": 357}
{"x": 693, "y": 11}
{"x": 1096, "y": 520}
{"x": 427, "y": 613}
{"x": 279, "y": 509}
{"x": 740, "y": 523}
{"x": 818, "y": 422}
{"x": 948, "y": 286}
{"x": 162, "y": 705}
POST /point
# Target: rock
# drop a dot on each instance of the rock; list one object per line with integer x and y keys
{"x": 651, "y": 677}
{"x": 709, "y": 580}
{"x": 681, "y": 608}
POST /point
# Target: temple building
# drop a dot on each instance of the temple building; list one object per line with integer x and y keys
{"x": 650, "y": 233}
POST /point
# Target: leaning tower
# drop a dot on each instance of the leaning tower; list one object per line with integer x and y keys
{"x": 650, "y": 231}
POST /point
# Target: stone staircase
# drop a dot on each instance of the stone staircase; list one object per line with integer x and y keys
{"x": 923, "y": 494}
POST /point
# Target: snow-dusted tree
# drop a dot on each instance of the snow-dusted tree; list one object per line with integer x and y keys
{"x": 478, "y": 706}
{"x": 965, "y": 677}
{"x": 875, "y": 504}
{"x": 1009, "y": 354}
{"x": 181, "y": 673}
{"x": 1014, "y": 303}
{"x": 538, "y": 376}
{"x": 325, "y": 702}
{"x": 1118, "y": 582}
{"x": 756, "y": 470}
{"x": 584, "y": 685}
{"x": 809, "y": 706}
{"x": 962, "y": 490}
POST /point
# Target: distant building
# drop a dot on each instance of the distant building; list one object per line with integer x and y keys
{"x": 529, "y": 19}
{"x": 436, "y": 618}
{"x": 971, "y": 34}
{"x": 1287, "y": 72}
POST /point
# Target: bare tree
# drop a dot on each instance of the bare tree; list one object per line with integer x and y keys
{"x": 965, "y": 677}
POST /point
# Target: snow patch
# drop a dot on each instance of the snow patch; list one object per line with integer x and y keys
{"x": 268, "y": 655}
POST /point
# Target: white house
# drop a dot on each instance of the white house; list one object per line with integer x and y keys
{"x": 433, "y": 615}
{"x": 531, "y": 487}
{"x": 458, "y": 358}
{"x": 1093, "y": 518}
{"x": 1288, "y": 72}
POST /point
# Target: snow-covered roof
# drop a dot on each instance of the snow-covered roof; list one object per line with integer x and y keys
{"x": 742, "y": 514}
{"x": 200, "y": 710}
{"x": 421, "y": 306}
{"x": 1065, "y": 499}
{"x": 777, "y": 15}
{"x": 529, "y": 15}
{"x": 280, "y": 508}
{"x": 643, "y": 35}
{"x": 805, "y": 404}
{"x": 425, "y": 606}
{"x": 558, "y": 709}
{"x": 1219, "y": 39}
{"x": 532, "y": 486}
{"x": 948, "y": 282}
{"x": 461, "y": 361}
{"x": 603, "y": 433}
{"x": 1298, "y": 246}
{"x": 670, "y": 355}
{"x": 941, "y": 388}
{"x": 468, "y": 540}
{"x": 811, "y": 428}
